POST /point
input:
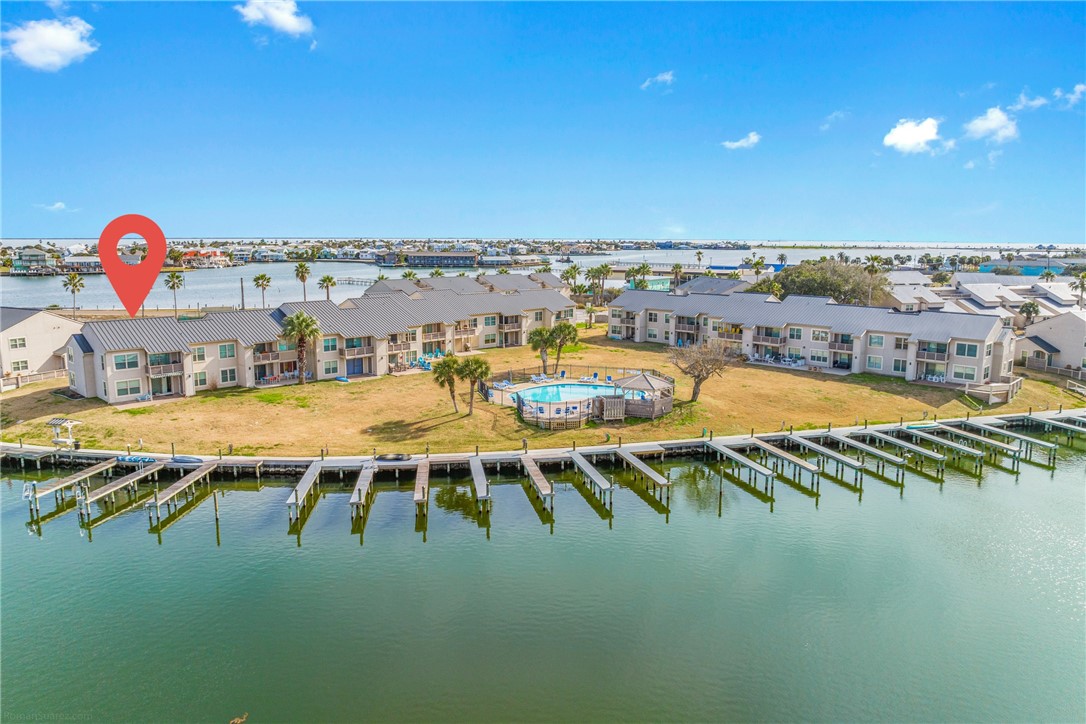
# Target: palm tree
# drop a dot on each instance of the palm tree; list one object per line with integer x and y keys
{"x": 436, "y": 273}
{"x": 604, "y": 273}
{"x": 326, "y": 283}
{"x": 677, "y": 273}
{"x": 643, "y": 270}
{"x": 503, "y": 270}
{"x": 473, "y": 369}
{"x": 1029, "y": 310}
{"x": 382, "y": 277}
{"x": 301, "y": 273}
{"x": 782, "y": 258}
{"x": 699, "y": 254}
{"x": 872, "y": 268}
{"x": 262, "y": 282}
{"x": 733, "y": 275}
{"x": 562, "y": 334}
{"x": 1079, "y": 285}
{"x": 445, "y": 372}
{"x": 590, "y": 314}
{"x": 1009, "y": 256}
{"x": 175, "y": 256}
{"x": 174, "y": 281}
{"x": 569, "y": 274}
{"x": 546, "y": 268}
{"x": 409, "y": 275}
{"x": 73, "y": 284}
{"x": 1048, "y": 275}
{"x": 776, "y": 289}
{"x": 542, "y": 339}
{"x": 301, "y": 328}
{"x": 758, "y": 266}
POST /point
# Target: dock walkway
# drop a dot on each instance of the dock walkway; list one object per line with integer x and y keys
{"x": 479, "y": 482}
{"x": 1012, "y": 450}
{"x": 166, "y": 496}
{"x": 422, "y": 488}
{"x": 67, "y": 482}
{"x": 109, "y": 489}
{"x": 538, "y": 481}
{"x": 839, "y": 460}
{"x": 738, "y": 458}
{"x": 601, "y": 485}
{"x": 360, "y": 496}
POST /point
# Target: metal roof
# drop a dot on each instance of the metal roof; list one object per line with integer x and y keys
{"x": 714, "y": 285}
{"x": 10, "y": 316}
{"x": 1046, "y": 346}
{"x": 759, "y": 310}
{"x": 153, "y": 334}
{"x": 509, "y": 282}
{"x": 460, "y": 285}
{"x": 83, "y": 344}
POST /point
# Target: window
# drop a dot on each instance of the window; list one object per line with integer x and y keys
{"x": 795, "y": 333}
{"x": 962, "y": 372}
{"x": 652, "y": 334}
{"x": 71, "y": 379}
{"x": 654, "y": 317}
{"x": 538, "y": 316}
{"x": 616, "y": 330}
{"x": 715, "y": 326}
{"x": 874, "y": 362}
{"x": 490, "y": 339}
{"x": 286, "y": 346}
{"x": 667, "y": 335}
{"x": 71, "y": 355}
{"x": 616, "y": 314}
{"x": 199, "y": 354}
{"x": 20, "y": 365}
{"x": 227, "y": 351}
{"x": 331, "y": 367}
{"x": 667, "y": 320}
{"x": 159, "y": 359}
{"x": 795, "y": 353}
{"x": 965, "y": 350}
{"x": 128, "y": 387}
{"x": 820, "y": 355}
{"x": 901, "y": 342}
{"x": 230, "y": 374}
{"x": 126, "y": 361}
{"x": 490, "y": 321}
{"x": 988, "y": 351}
{"x": 899, "y": 365}
{"x": 353, "y": 343}
{"x": 200, "y": 378}
{"x": 820, "y": 335}
{"x": 17, "y": 342}
{"x": 987, "y": 372}
{"x": 909, "y": 308}
{"x": 329, "y": 344}
{"x": 874, "y": 340}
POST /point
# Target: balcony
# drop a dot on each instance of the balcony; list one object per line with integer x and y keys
{"x": 262, "y": 357}
{"x": 509, "y": 327}
{"x": 771, "y": 341}
{"x": 464, "y": 332}
{"x": 399, "y": 346}
{"x": 433, "y": 336}
{"x": 165, "y": 370}
{"x": 923, "y": 354}
{"x": 687, "y": 328}
{"x": 733, "y": 336}
{"x": 841, "y": 346}
{"x": 351, "y": 352}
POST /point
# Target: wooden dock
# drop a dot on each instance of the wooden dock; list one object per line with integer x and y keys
{"x": 23, "y": 454}
{"x": 921, "y": 453}
{"x": 600, "y": 485}
{"x": 1012, "y": 450}
{"x": 422, "y": 488}
{"x": 109, "y": 490}
{"x": 840, "y": 460}
{"x": 955, "y": 448}
{"x": 37, "y": 492}
{"x": 1028, "y": 442}
{"x": 1049, "y": 423}
{"x": 740, "y": 460}
{"x": 363, "y": 492}
{"x": 538, "y": 481}
{"x": 300, "y": 497}
{"x": 480, "y": 483}
{"x": 661, "y": 485}
{"x": 167, "y": 496}
{"x": 882, "y": 458}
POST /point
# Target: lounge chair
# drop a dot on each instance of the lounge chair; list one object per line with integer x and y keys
{"x": 609, "y": 380}
{"x": 145, "y": 397}
{"x": 586, "y": 378}
{"x": 595, "y": 377}
{"x": 562, "y": 375}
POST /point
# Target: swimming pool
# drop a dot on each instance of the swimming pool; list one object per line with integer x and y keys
{"x": 565, "y": 392}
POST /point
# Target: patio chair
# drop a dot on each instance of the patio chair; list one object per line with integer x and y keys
{"x": 586, "y": 378}
{"x": 145, "y": 397}
{"x": 562, "y": 375}
{"x": 609, "y": 380}
{"x": 595, "y": 377}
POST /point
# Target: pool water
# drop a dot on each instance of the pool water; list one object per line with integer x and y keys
{"x": 565, "y": 392}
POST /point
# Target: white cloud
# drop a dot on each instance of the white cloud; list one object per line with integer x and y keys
{"x": 995, "y": 126}
{"x": 910, "y": 136}
{"x": 281, "y": 15}
{"x": 55, "y": 207}
{"x": 748, "y": 141}
{"x": 312, "y": 46}
{"x": 665, "y": 78}
{"x": 57, "y": 6}
{"x": 1025, "y": 103}
{"x": 49, "y": 45}
{"x": 1071, "y": 99}
{"x": 993, "y": 156}
{"x": 970, "y": 165}
{"x": 833, "y": 118}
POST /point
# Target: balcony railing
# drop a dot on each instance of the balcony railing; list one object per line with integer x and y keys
{"x": 510, "y": 326}
{"x": 687, "y": 328}
{"x": 266, "y": 357}
{"x": 350, "y": 352}
{"x": 170, "y": 369}
{"x": 464, "y": 332}
{"x": 734, "y": 336}
{"x": 399, "y": 346}
{"x": 433, "y": 336}
{"x": 841, "y": 346}
{"x": 923, "y": 354}
{"x": 771, "y": 341}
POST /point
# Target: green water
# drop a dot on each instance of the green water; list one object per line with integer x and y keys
{"x": 954, "y": 601}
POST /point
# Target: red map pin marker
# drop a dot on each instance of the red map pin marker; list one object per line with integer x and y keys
{"x": 132, "y": 282}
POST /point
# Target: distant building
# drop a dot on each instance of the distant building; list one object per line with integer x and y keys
{"x": 33, "y": 340}
{"x": 29, "y": 261}
{"x": 433, "y": 259}
{"x": 1055, "y": 342}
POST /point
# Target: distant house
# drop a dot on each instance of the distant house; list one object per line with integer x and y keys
{"x": 32, "y": 340}
{"x": 81, "y": 265}
{"x": 434, "y": 259}
{"x": 32, "y": 262}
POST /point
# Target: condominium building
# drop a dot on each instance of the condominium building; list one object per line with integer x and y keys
{"x": 818, "y": 334}
{"x": 133, "y": 359}
{"x": 33, "y": 341}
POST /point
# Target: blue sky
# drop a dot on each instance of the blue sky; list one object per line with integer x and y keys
{"x": 919, "y": 122}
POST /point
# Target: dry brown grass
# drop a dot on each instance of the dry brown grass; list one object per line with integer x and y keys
{"x": 405, "y": 413}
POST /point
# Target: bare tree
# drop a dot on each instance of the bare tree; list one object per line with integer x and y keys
{"x": 700, "y": 362}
